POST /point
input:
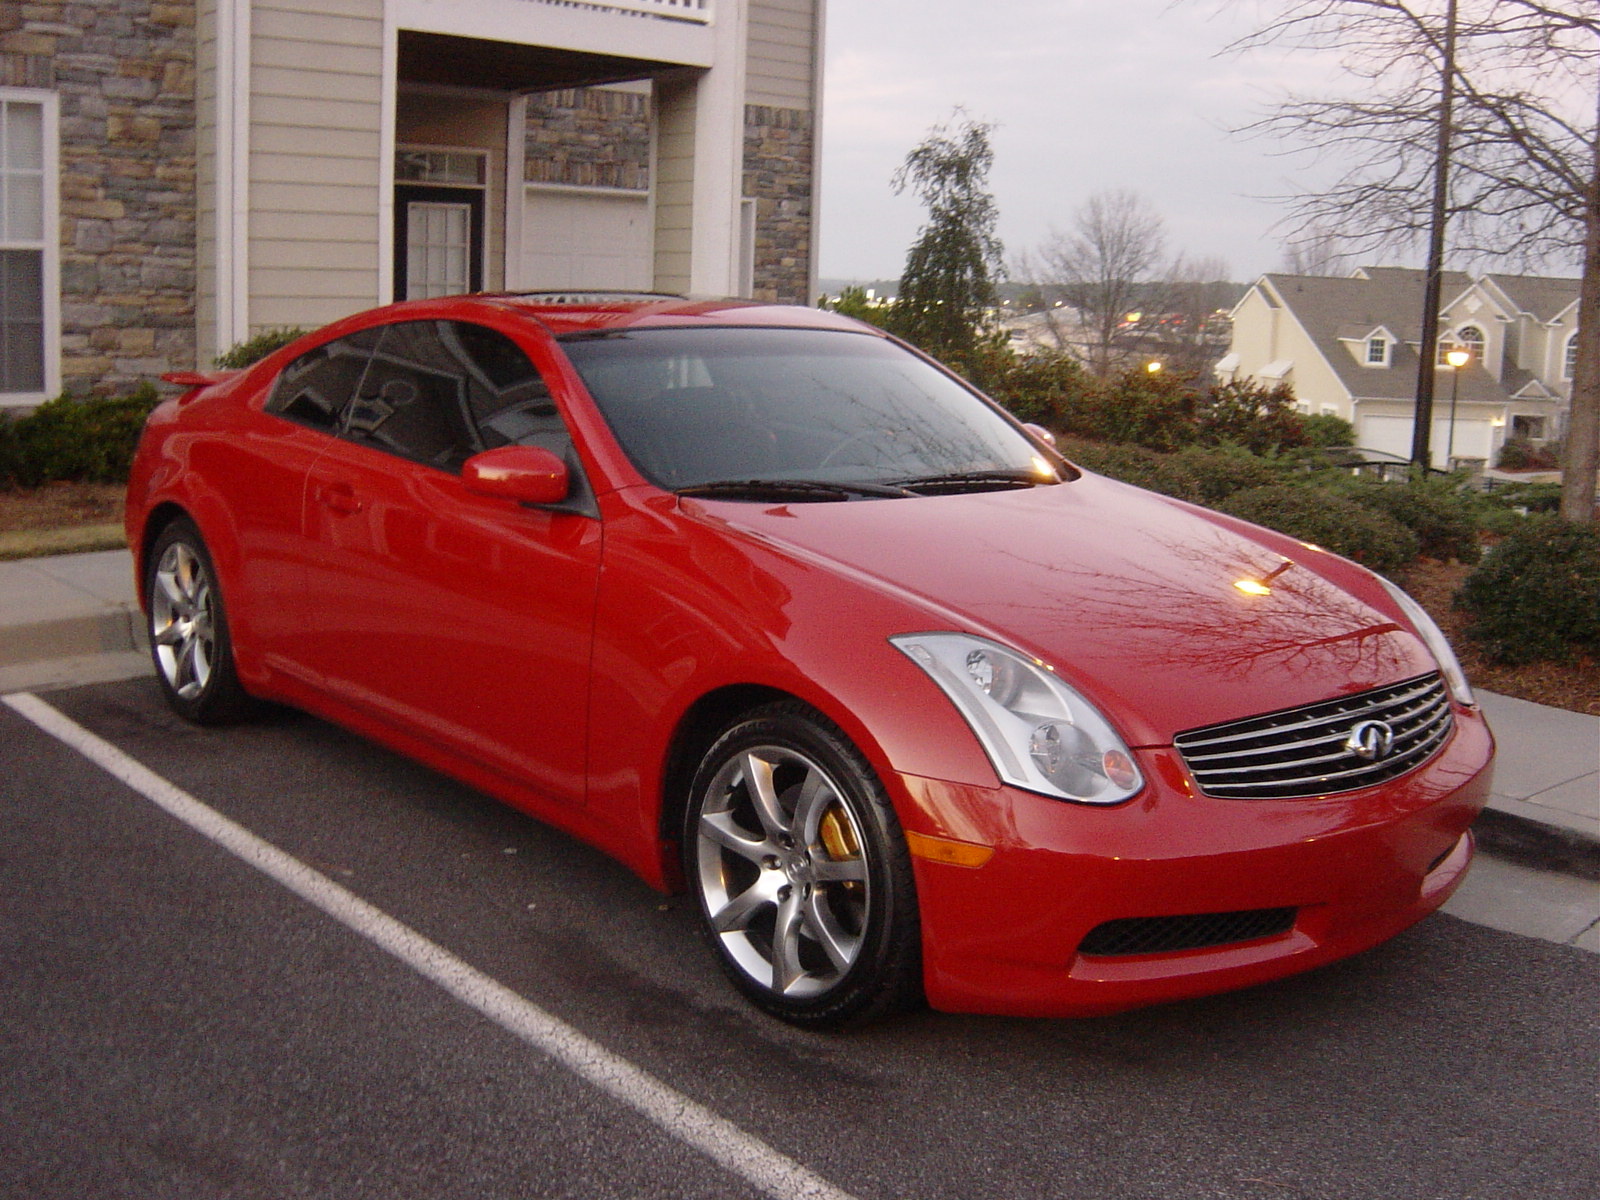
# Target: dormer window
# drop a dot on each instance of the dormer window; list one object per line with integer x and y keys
{"x": 1377, "y": 351}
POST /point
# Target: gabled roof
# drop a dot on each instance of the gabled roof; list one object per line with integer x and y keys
{"x": 1540, "y": 297}
{"x": 1373, "y": 296}
{"x": 1336, "y": 312}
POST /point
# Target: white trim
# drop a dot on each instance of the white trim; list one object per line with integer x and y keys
{"x": 719, "y": 161}
{"x": 516, "y": 189}
{"x": 592, "y": 29}
{"x": 49, "y": 243}
{"x": 233, "y": 174}
{"x": 819, "y": 46}
{"x": 747, "y": 249}
{"x": 388, "y": 109}
{"x": 585, "y": 189}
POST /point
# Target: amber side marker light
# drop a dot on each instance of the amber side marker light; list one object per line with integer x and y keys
{"x": 947, "y": 850}
{"x": 1252, "y": 587}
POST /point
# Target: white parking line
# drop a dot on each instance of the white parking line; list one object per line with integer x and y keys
{"x": 719, "y": 1140}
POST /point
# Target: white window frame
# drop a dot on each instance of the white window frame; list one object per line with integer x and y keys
{"x": 50, "y": 244}
{"x": 1569, "y": 356}
{"x": 1381, "y": 343}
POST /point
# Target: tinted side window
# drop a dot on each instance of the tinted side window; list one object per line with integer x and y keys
{"x": 438, "y": 392}
{"x": 510, "y": 403}
{"x": 316, "y": 387}
{"x": 413, "y": 399}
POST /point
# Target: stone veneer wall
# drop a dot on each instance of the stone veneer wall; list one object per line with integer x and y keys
{"x": 124, "y": 72}
{"x": 600, "y": 138}
{"x": 589, "y": 137}
{"x": 778, "y": 148}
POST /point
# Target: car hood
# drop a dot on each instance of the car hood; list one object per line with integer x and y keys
{"x": 1130, "y": 596}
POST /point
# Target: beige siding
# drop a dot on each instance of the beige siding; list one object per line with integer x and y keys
{"x": 780, "y": 67}
{"x": 316, "y": 111}
{"x": 1265, "y": 332}
{"x": 674, "y": 176}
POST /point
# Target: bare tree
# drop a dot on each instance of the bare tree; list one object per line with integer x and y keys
{"x": 1524, "y": 145}
{"x": 1315, "y": 251}
{"x": 1103, "y": 268}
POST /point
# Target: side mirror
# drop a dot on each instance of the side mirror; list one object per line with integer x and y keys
{"x": 527, "y": 474}
{"x": 1040, "y": 432}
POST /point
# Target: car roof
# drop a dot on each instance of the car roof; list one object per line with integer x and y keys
{"x": 580, "y": 312}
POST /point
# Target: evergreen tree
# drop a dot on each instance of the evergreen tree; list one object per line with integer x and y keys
{"x": 947, "y": 292}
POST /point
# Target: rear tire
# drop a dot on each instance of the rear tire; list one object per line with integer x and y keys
{"x": 188, "y": 627}
{"x": 800, "y": 872}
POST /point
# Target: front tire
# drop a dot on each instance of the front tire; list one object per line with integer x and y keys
{"x": 800, "y": 872}
{"x": 188, "y": 626}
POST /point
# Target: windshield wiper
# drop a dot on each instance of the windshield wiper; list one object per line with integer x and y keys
{"x": 782, "y": 491}
{"x": 976, "y": 481}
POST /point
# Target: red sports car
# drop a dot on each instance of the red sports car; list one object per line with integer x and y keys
{"x": 766, "y": 604}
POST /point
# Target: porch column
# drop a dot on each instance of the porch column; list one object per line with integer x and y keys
{"x": 699, "y": 168}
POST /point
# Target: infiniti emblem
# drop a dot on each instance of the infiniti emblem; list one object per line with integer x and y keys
{"x": 1370, "y": 741}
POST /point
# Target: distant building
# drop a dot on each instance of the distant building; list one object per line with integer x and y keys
{"x": 1349, "y": 347}
{"x": 181, "y": 174}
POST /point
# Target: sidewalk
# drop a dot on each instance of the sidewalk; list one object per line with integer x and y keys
{"x": 73, "y": 619}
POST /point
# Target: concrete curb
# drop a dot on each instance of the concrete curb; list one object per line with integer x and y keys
{"x": 109, "y": 632}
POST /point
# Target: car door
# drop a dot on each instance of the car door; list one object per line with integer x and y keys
{"x": 459, "y": 618}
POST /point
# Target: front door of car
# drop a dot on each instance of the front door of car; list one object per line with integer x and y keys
{"x": 460, "y": 618}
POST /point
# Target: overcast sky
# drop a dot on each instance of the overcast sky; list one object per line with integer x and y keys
{"x": 1085, "y": 96}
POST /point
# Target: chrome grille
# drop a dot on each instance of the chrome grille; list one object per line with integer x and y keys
{"x": 1308, "y": 751}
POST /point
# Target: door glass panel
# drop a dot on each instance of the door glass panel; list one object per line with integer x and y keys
{"x": 438, "y": 249}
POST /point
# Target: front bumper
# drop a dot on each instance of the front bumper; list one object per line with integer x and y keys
{"x": 1355, "y": 869}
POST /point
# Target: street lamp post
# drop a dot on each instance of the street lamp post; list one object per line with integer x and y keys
{"x": 1457, "y": 359}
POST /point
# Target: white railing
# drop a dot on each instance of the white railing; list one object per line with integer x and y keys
{"x": 698, "y": 11}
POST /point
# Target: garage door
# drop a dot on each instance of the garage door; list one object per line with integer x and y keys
{"x": 587, "y": 240}
{"x": 1473, "y": 439}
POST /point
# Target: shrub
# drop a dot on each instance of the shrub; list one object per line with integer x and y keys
{"x": 1156, "y": 411}
{"x": 1246, "y": 414}
{"x": 1042, "y": 387}
{"x": 1136, "y": 465}
{"x": 1325, "y": 429}
{"x": 1519, "y": 454}
{"x": 253, "y": 350}
{"x": 1442, "y": 516}
{"x": 1220, "y": 471}
{"x": 1536, "y": 595}
{"x": 1330, "y": 520}
{"x": 90, "y": 439}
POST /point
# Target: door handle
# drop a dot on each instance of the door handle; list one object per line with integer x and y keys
{"x": 340, "y": 497}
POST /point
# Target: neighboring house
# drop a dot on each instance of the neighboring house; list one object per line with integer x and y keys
{"x": 1349, "y": 347}
{"x": 179, "y": 175}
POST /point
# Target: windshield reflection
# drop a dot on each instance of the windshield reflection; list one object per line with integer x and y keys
{"x": 698, "y": 406}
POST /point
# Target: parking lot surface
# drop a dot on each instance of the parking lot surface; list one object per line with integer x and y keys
{"x": 178, "y": 1022}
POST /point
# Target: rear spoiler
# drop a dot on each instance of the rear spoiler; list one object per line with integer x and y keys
{"x": 195, "y": 382}
{"x": 198, "y": 379}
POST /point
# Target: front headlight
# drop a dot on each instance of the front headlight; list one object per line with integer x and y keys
{"x": 1438, "y": 645}
{"x": 1039, "y": 733}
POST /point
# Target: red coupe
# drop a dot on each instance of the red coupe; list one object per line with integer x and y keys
{"x": 768, "y": 605}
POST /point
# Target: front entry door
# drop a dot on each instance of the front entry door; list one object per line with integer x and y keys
{"x": 438, "y": 241}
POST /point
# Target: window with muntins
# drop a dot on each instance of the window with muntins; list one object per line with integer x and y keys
{"x": 26, "y": 255}
{"x": 1569, "y": 367}
{"x": 1377, "y": 351}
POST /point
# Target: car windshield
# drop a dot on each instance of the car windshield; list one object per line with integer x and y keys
{"x": 714, "y": 410}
